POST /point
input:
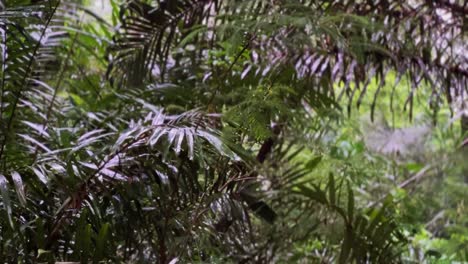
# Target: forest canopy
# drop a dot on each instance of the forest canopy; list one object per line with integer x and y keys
{"x": 215, "y": 131}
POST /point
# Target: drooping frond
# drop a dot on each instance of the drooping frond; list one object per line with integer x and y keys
{"x": 35, "y": 64}
{"x": 354, "y": 43}
{"x": 147, "y": 35}
{"x": 334, "y": 43}
{"x": 26, "y": 56}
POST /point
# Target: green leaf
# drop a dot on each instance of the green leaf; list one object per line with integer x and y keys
{"x": 86, "y": 246}
{"x": 316, "y": 194}
{"x": 313, "y": 163}
{"x": 77, "y": 100}
{"x": 41, "y": 252}
{"x": 101, "y": 242}
{"x": 375, "y": 219}
{"x": 194, "y": 32}
{"x": 414, "y": 167}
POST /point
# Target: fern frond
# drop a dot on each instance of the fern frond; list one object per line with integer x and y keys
{"x": 147, "y": 35}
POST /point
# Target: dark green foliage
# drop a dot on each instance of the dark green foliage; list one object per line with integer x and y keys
{"x": 205, "y": 131}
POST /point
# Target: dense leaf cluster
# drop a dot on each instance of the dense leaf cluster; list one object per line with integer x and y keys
{"x": 198, "y": 130}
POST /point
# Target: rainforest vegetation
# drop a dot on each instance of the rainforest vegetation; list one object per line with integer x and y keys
{"x": 233, "y": 131}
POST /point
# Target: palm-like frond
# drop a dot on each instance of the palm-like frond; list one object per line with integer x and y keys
{"x": 165, "y": 157}
{"x": 352, "y": 44}
{"x": 25, "y": 56}
{"x": 330, "y": 42}
{"x": 33, "y": 71}
{"x": 147, "y": 34}
{"x": 371, "y": 235}
{"x": 161, "y": 167}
